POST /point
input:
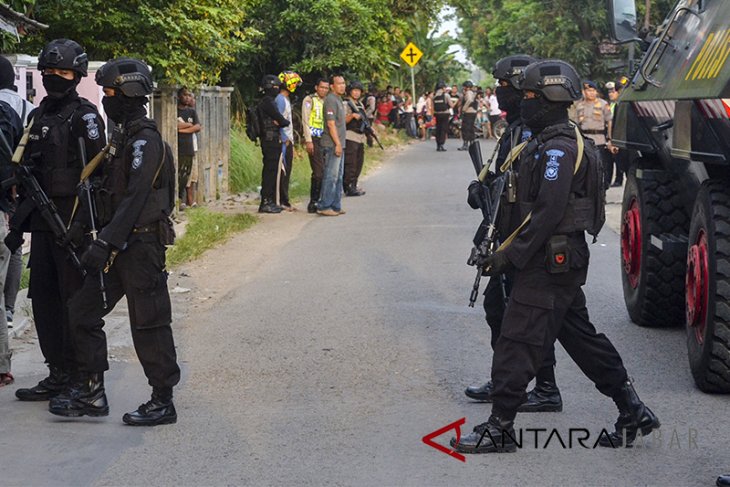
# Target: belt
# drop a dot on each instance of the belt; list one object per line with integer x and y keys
{"x": 595, "y": 132}
{"x": 146, "y": 229}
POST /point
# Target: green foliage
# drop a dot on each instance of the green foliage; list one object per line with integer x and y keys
{"x": 185, "y": 42}
{"x": 204, "y": 230}
{"x": 437, "y": 62}
{"x": 563, "y": 29}
{"x": 245, "y": 164}
{"x": 319, "y": 37}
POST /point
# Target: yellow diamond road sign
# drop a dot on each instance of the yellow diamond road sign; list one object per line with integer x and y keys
{"x": 411, "y": 54}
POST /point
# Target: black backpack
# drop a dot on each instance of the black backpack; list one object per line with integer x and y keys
{"x": 253, "y": 125}
{"x": 12, "y": 129}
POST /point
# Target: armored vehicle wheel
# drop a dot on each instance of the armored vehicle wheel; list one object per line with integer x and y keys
{"x": 653, "y": 279}
{"x": 708, "y": 289}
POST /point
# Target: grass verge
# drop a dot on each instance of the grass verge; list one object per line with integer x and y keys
{"x": 205, "y": 229}
{"x": 245, "y": 163}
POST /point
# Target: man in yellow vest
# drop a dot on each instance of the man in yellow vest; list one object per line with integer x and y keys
{"x": 313, "y": 122}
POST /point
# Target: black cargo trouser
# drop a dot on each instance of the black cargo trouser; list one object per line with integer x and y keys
{"x": 138, "y": 273}
{"x": 271, "y": 152}
{"x": 442, "y": 128}
{"x": 468, "y": 132}
{"x": 53, "y": 281}
{"x": 354, "y": 160}
{"x": 495, "y": 306}
{"x": 544, "y": 307}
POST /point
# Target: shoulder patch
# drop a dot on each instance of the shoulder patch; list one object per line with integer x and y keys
{"x": 137, "y": 153}
{"x": 553, "y": 163}
{"x": 92, "y": 128}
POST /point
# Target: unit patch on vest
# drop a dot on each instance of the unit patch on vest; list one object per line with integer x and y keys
{"x": 137, "y": 153}
{"x": 92, "y": 128}
{"x": 553, "y": 163}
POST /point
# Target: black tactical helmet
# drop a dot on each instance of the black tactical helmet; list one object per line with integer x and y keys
{"x": 554, "y": 79}
{"x": 130, "y": 76}
{"x": 468, "y": 84}
{"x": 511, "y": 67}
{"x": 63, "y": 54}
{"x": 270, "y": 82}
{"x": 440, "y": 85}
{"x": 355, "y": 85}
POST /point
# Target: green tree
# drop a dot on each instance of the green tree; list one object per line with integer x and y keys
{"x": 563, "y": 29}
{"x": 319, "y": 37}
{"x": 185, "y": 42}
{"x": 438, "y": 61}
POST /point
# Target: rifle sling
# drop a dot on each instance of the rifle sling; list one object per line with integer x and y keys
{"x": 579, "y": 159}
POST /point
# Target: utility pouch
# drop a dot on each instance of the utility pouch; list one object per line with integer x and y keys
{"x": 103, "y": 203}
{"x": 166, "y": 231}
{"x": 558, "y": 254}
{"x": 511, "y": 187}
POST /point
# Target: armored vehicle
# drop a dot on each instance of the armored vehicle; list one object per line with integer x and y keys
{"x": 674, "y": 119}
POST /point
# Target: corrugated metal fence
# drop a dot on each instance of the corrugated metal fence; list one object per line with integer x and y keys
{"x": 213, "y": 105}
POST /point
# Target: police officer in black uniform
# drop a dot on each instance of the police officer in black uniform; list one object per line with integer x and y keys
{"x": 130, "y": 251}
{"x": 53, "y": 152}
{"x": 441, "y": 109}
{"x": 550, "y": 261}
{"x": 545, "y": 397}
{"x": 271, "y": 121}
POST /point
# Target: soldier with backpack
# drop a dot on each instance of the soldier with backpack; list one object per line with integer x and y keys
{"x": 559, "y": 192}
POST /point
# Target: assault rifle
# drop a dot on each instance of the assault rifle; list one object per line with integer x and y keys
{"x": 490, "y": 190}
{"x": 365, "y": 125}
{"x": 23, "y": 177}
{"x": 87, "y": 190}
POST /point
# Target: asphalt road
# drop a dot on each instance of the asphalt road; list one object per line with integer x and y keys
{"x": 319, "y": 351}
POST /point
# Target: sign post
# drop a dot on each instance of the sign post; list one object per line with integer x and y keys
{"x": 411, "y": 55}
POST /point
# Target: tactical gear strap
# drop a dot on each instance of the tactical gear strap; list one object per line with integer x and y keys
{"x": 20, "y": 150}
{"x": 508, "y": 162}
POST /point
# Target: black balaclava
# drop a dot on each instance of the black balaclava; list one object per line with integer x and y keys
{"x": 122, "y": 108}
{"x": 7, "y": 74}
{"x": 58, "y": 87}
{"x": 538, "y": 113}
{"x": 509, "y": 101}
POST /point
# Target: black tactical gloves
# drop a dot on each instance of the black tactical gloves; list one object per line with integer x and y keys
{"x": 13, "y": 240}
{"x": 496, "y": 264}
{"x": 96, "y": 256}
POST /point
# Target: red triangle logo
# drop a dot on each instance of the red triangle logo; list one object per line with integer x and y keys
{"x": 456, "y": 425}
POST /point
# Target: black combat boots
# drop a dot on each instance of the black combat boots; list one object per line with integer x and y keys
{"x": 464, "y": 147}
{"x": 53, "y": 385}
{"x": 480, "y": 393}
{"x": 544, "y": 398}
{"x": 633, "y": 416}
{"x": 158, "y": 410}
{"x": 85, "y": 397}
{"x": 723, "y": 481}
{"x": 440, "y": 148}
{"x": 497, "y": 435}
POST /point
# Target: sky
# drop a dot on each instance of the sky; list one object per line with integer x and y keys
{"x": 452, "y": 28}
